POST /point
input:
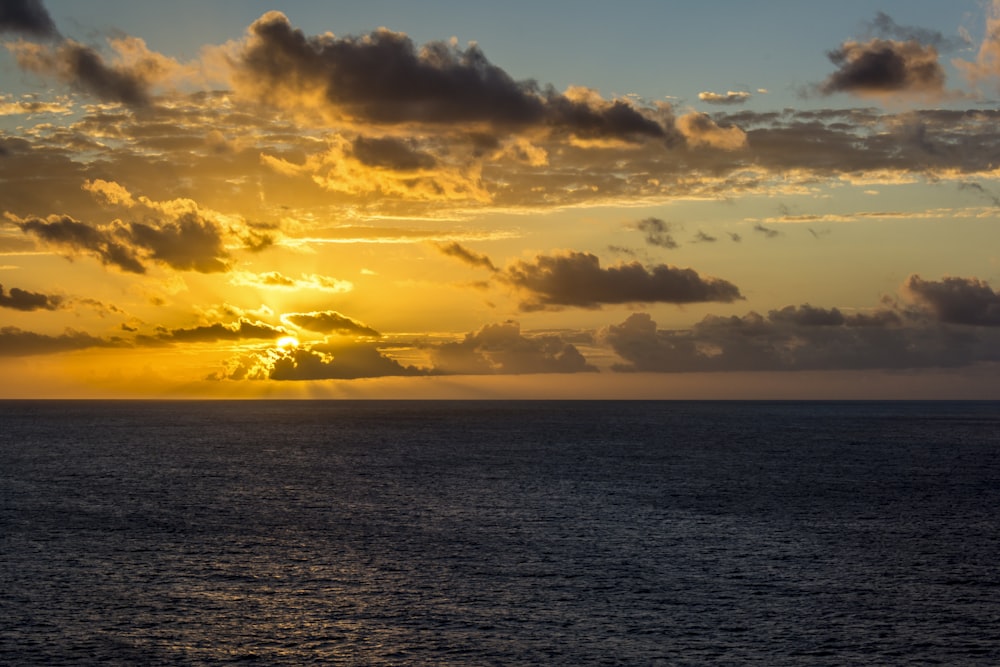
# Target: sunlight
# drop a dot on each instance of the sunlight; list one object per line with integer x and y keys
{"x": 287, "y": 341}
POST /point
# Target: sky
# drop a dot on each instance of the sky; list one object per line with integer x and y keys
{"x": 444, "y": 199}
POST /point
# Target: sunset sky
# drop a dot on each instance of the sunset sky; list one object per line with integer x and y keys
{"x": 508, "y": 200}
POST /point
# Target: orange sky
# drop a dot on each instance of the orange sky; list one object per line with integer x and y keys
{"x": 291, "y": 210}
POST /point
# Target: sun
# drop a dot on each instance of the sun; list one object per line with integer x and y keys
{"x": 287, "y": 342}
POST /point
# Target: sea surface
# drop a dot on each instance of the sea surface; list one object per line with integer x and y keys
{"x": 499, "y": 533}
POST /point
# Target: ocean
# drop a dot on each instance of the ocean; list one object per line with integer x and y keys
{"x": 499, "y": 533}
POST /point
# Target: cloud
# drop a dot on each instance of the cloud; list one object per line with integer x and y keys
{"x": 329, "y": 322}
{"x": 702, "y": 237}
{"x": 502, "y": 349}
{"x": 15, "y": 342}
{"x": 577, "y": 279}
{"x": 84, "y": 68}
{"x": 953, "y": 300}
{"x": 391, "y": 153}
{"x": 731, "y": 97}
{"x": 189, "y": 243}
{"x": 28, "y": 17}
{"x": 342, "y": 361}
{"x": 956, "y": 323}
{"x": 657, "y": 232}
{"x": 19, "y": 299}
{"x": 987, "y": 62}
{"x": 278, "y": 280}
{"x": 795, "y": 339}
{"x": 885, "y": 26}
{"x": 463, "y": 254}
{"x": 766, "y": 231}
{"x": 700, "y": 130}
{"x": 182, "y": 237}
{"x": 242, "y": 329}
{"x": 102, "y": 243}
{"x": 383, "y": 78}
{"x": 882, "y": 67}
{"x": 29, "y": 104}
{"x": 387, "y": 166}
{"x": 109, "y": 192}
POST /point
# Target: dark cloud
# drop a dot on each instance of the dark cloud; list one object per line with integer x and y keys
{"x": 958, "y": 300}
{"x": 103, "y": 244}
{"x": 734, "y": 237}
{"x": 20, "y": 299}
{"x": 502, "y": 349}
{"x": 382, "y": 77}
{"x": 978, "y": 188}
{"x": 766, "y": 231}
{"x": 658, "y": 232}
{"x": 341, "y": 362}
{"x": 27, "y": 17}
{"x": 881, "y": 67}
{"x": 242, "y": 329}
{"x": 463, "y": 254}
{"x": 884, "y": 26}
{"x": 84, "y": 68}
{"x": 810, "y": 316}
{"x": 702, "y": 237}
{"x": 329, "y": 321}
{"x": 577, "y": 279}
{"x": 795, "y": 339}
{"x": 189, "y": 243}
{"x": 391, "y": 153}
{"x": 615, "y": 119}
{"x": 15, "y": 342}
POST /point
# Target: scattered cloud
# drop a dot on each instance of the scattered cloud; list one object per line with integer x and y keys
{"x": 957, "y": 300}
{"x": 729, "y": 98}
{"x": 502, "y": 349}
{"x": 658, "y": 232}
{"x": 329, "y": 322}
{"x": 383, "y": 78}
{"x": 766, "y": 231}
{"x": 242, "y": 329}
{"x": 463, "y": 254}
{"x": 341, "y": 361}
{"x": 577, "y": 279}
{"x": 15, "y": 342}
{"x": 885, "y": 67}
{"x": 956, "y": 322}
{"x": 391, "y": 153}
{"x": 85, "y": 69}
{"x": 190, "y": 242}
{"x": 884, "y": 26}
{"x": 103, "y": 243}
{"x": 27, "y": 17}
{"x": 29, "y": 105}
{"x": 795, "y": 339}
{"x": 700, "y": 130}
{"x": 280, "y": 281}
{"x": 19, "y": 299}
{"x": 986, "y": 66}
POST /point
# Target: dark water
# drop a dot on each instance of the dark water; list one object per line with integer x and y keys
{"x": 476, "y": 533}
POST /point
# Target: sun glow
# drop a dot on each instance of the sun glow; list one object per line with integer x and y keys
{"x": 287, "y": 341}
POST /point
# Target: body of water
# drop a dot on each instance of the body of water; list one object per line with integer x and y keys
{"x": 499, "y": 533}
